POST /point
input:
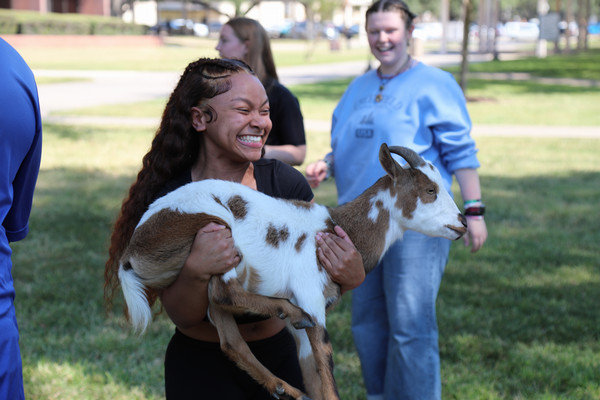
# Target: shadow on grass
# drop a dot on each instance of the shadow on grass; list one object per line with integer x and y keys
{"x": 522, "y": 314}
{"x": 580, "y": 65}
{"x": 71, "y": 132}
{"x": 530, "y": 87}
{"x": 59, "y": 283}
{"x": 526, "y": 300}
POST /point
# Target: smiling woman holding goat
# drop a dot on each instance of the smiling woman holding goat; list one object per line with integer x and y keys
{"x": 215, "y": 126}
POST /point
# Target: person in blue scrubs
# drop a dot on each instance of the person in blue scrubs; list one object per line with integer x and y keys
{"x": 20, "y": 154}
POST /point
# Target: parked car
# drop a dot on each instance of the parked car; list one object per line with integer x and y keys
{"x": 571, "y": 28}
{"x": 297, "y": 30}
{"x": 214, "y": 27}
{"x": 329, "y": 31}
{"x": 279, "y": 29}
{"x": 181, "y": 26}
{"x": 517, "y": 30}
{"x": 594, "y": 29}
{"x": 428, "y": 31}
{"x": 350, "y": 31}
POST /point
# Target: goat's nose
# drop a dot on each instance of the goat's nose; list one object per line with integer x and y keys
{"x": 462, "y": 219}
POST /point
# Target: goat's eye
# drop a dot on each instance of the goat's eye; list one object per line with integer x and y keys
{"x": 431, "y": 191}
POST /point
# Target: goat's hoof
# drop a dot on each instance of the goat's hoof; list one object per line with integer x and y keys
{"x": 279, "y": 390}
{"x": 306, "y": 322}
{"x": 303, "y": 324}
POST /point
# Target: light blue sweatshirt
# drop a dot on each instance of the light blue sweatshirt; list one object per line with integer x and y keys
{"x": 423, "y": 109}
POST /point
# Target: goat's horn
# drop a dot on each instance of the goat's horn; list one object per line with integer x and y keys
{"x": 413, "y": 159}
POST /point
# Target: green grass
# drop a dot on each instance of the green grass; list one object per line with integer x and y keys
{"x": 530, "y": 103}
{"x": 522, "y": 313}
{"x": 583, "y": 65}
{"x": 176, "y": 54}
{"x": 517, "y": 320}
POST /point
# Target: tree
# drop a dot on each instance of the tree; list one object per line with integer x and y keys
{"x": 467, "y": 6}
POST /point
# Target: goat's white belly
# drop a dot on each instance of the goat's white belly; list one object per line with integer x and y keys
{"x": 284, "y": 273}
{"x": 276, "y": 273}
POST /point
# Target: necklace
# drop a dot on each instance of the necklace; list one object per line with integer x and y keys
{"x": 386, "y": 78}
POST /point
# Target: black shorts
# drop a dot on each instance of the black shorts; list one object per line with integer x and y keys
{"x": 200, "y": 370}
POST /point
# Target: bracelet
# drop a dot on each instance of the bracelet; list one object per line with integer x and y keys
{"x": 475, "y": 210}
{"x": 471, "y": 202}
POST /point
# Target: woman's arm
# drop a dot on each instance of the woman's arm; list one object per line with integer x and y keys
{"x": 213, "y": 252}
{"x": 288, "y": 153}
{"x": 320, "y": 170}
{"x": 470, "y": 189}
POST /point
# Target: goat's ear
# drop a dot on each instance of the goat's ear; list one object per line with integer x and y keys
{"x": 391, "y": 166}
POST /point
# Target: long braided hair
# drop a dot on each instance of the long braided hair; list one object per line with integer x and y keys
{"x": 175, "y": 149}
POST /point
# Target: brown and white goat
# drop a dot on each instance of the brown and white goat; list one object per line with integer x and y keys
{"x": 276, "y": 241}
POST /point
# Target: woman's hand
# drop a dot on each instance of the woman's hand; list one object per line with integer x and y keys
{"x": 316, "y": 173}
{"x": 213, "y": 252}
{"x": 476, "y": 234}
{"x": 340, "y": 259}
{"x": 470, "y": 189}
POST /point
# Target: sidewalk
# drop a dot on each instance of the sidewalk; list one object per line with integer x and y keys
{"x": 97, "y": 88}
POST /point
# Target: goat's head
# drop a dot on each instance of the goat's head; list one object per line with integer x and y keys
{"x": 424, "y": 204}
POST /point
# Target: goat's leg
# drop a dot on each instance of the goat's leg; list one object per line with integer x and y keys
{"x": 311, "y": 378}
{"x": 310, "y": 375}
{"x": 236, "y": 348}
{"x": 232, "y": 297}
{"x": 323, "y": 357}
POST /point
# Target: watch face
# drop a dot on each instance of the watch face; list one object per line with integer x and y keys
{"x": 475, "y": 210}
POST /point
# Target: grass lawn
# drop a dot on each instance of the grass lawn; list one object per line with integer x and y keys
{"x": 517, "y": 320}
{"x": 177, "y": 53}
{"x": 582, "y": 65}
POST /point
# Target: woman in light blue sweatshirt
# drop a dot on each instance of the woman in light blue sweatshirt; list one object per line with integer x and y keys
{"x": 407, "y": 103}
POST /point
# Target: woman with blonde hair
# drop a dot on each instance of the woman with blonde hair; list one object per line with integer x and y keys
{"x": 403, "y": 102}
{"x": 245, "y": 39}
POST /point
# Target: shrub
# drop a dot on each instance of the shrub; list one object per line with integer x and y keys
{"x": 8, "y": 25}
{"x": 55, "y": 27}
{"x": 36, "y": 23}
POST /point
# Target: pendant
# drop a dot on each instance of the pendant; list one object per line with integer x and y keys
{"x": 378, "y": 98}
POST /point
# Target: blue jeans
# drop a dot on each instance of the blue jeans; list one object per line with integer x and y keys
{"x": 394, "y": 321}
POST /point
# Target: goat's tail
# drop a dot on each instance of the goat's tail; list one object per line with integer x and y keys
{"x": 135, "y": 297}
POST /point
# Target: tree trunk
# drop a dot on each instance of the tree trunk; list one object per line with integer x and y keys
{"x": 464, "y": 65}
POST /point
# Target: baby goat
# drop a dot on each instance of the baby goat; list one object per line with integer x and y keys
{"x": 276, "y": 241}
